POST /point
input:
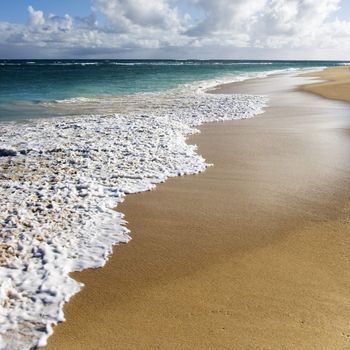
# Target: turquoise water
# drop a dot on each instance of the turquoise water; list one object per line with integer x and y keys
{"x": 25, "y": 84}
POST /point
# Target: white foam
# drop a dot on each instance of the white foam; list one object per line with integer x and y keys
{"x": 148, "y": 102}
{"x": 59, "y": 190}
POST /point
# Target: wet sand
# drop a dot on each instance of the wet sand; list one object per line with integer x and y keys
{"x": 252, "y": 254}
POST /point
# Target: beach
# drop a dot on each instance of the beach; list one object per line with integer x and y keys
{"x": 251, "y": 254}
{"x": 332, "y": 83}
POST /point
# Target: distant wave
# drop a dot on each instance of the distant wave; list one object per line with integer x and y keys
{"x": 73, "y": 63}
{"x": 206, "y": 63}
{"x": 140, "y": 63}
{"x": 50, "y": 63}
{"x": 147, "y": 63}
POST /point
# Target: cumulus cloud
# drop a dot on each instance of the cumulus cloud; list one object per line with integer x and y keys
{"x": 267, "y": 23}
{"x": 128, "y": 15}
{"x": 89, "y": 22}
{"x": 35, "y": 18}
{"x": 51, "y": 24}
{"x": 294, "y": 22}
{"x": 166, "y": 24}
{"x": 227, "y": 16}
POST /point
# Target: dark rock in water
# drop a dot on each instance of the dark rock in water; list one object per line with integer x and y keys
{"x": 24, "y": 151}
{"x": 7, "y": 152}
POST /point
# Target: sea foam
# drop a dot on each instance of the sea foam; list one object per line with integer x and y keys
{"x": 60, "y": 181}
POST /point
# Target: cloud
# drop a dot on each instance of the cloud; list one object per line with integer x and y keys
{"x": 89, "y": 22}
{"x": 35, "y": 18}
{"x": 128, "y": 15}
{"x": 52, "y": 24}
{"x": 296, "y": 23}
{"x": 267, "y": 23}
{"x": 164, "y": 25}
{"x": 223, "y": 16}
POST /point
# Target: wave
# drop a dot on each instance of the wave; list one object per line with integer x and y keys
{"x": 189, "y": 63}
{"x": 65, "y": 177}
{"x": 51, "y": 63}
{"x": 116, "y": 101}
{"x": 72, "y": 64}
{"x": 141, "y": 63}
{"x": 147, "y": 63}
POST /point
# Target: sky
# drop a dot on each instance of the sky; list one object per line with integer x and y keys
{"x": 178, "y": 29}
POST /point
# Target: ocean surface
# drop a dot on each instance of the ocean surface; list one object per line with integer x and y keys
{"x": 30, "y": 88}
{"x": 75, "y": 138}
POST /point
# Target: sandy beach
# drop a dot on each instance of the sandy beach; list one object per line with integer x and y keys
{"x": 251, "y": 254}
{"x": 335, "y": 83}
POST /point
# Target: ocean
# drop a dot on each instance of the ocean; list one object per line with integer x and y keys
{"x": 75, "y": 138}
{"x": 30, "y": 88}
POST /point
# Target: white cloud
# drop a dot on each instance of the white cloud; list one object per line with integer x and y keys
{"x": 266, "y": 23}
{"x": 52, "y": 24}
{"x": 295, "y": 22}
{"x": 227, "y": 16}
{"x": 35, "y": 18}
{"x": 126, "y": 15}
{"x": 163, "y": 24}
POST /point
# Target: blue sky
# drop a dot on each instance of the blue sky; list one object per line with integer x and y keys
{"x": 344, "y": 13}
{"x": 286, "y": 29}
{"x": 16, "y": 10}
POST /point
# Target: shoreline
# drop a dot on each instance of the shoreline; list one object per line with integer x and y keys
{"x": 191, "y": 262}
{"x": 135, "y": 153}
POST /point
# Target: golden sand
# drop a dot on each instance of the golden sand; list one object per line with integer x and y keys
{"x": 252, "y": 254}
{"x": 336, "y": 84}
